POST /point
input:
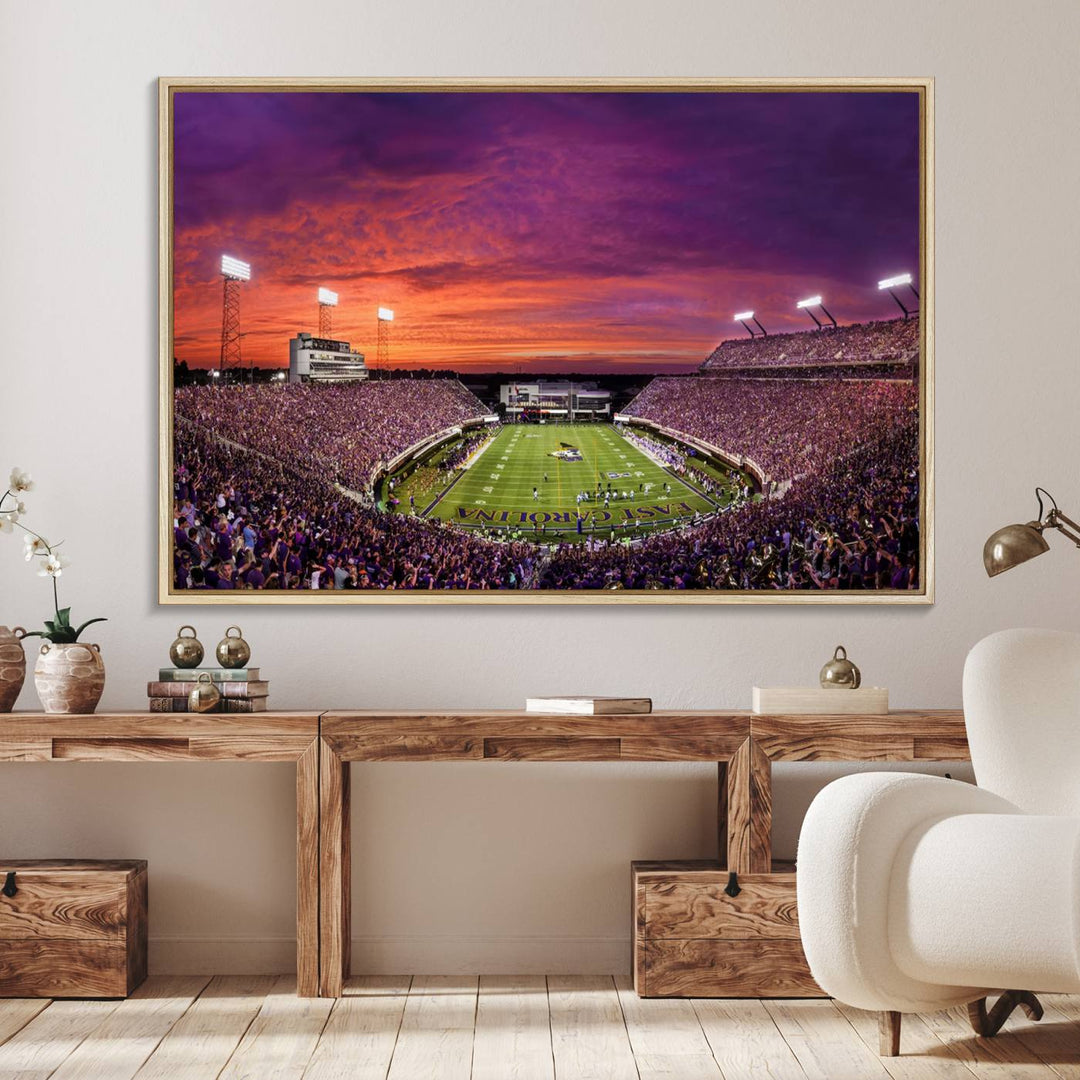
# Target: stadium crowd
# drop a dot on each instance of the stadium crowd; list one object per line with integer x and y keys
{"x": 659, "y": 451}
{"x": 855, "y": 525}
{"x": 859, "y": 343}
{"x": 341, "y": 431}
{"x": 256, "y": 507}
{"x": 782, "y": 428}
{"x": 243, "y": 521}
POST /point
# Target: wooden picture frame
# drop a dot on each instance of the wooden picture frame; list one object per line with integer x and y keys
{"x": 921, "y": 592}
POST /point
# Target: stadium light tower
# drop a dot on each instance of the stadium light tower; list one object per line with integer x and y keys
{"x": 385, "y": 317}
{"x": 897, "y": 282}
{"x": 746, "y": 317}
{"x": 815, "y": 302}
{"x": 233, "y": 271}
{"x": 327, "y": 302}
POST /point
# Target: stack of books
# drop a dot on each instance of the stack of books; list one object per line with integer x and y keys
{"x": 241, "y": 689}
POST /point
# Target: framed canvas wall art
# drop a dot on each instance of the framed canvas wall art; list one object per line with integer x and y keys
{"x": 518, "y": 342}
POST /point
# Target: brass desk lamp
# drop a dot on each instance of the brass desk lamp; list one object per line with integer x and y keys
{"x": 1014, "y": 544}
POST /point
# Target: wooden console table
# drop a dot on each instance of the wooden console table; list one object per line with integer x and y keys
{"x": 323, "y": 745}
{"x": 743, "y": 745}
{"x": 138, "y": 736}
{"x": 903, "y": 735}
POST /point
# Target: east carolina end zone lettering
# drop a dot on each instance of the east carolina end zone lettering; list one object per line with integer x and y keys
{"x": 568, "y": 517}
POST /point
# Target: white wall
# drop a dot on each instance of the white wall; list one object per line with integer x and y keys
{"x": 495, "y": 867}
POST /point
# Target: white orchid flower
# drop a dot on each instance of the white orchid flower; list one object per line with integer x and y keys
{"x": 34, "y": 545}
{"x": 20, "y": 481}
{"x": 7, "y": 520}
{"x": 20, "y": 507}
{"x": 53, "y": 566}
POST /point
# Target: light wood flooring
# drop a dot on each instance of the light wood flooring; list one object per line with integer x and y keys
{"x": 522, "y": 1027}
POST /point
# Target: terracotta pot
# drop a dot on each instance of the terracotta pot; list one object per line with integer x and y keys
{"x": 69, "y": 678}
{"x": 12, "y": 666}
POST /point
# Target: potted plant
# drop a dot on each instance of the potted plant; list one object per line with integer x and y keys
{"x": 69, "y": 674}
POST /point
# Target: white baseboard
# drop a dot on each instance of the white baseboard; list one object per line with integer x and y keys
{"x": 430, "y": 954}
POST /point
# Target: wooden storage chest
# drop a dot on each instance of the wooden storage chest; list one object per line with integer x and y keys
{"x": 692, "y": 939}
{"x": 71, "y": 928}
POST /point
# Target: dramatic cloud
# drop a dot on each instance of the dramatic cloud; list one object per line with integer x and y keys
{"x": 508, "y": 229}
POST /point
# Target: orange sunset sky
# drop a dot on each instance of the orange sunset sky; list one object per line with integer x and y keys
{"x": 543, "y": 231}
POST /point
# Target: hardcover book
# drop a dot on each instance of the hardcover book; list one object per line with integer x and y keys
{"x": 245, "y": 705}
{"x": 180, "y": 674}
{"x": 226, "y": 689}
{"x": 229, "y": 705}
{"x": 588, "y": 706}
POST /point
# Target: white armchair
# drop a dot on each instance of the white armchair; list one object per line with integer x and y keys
{"x": 919, "y": 893}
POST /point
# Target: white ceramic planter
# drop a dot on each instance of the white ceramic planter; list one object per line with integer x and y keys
{"x": 69, "y": 678}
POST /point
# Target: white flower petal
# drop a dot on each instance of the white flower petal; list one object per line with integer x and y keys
{"x": 20, "y": 481}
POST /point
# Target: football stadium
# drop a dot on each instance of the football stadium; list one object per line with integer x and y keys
{"x": 788, "y": 461}
{"x": 485, "y": 341}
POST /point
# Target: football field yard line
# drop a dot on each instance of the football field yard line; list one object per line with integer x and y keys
{"x": 697, "y": 491}
{"x": 438, "y": 498}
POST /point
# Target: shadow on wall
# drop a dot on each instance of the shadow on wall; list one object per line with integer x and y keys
{"x": 796, "y": 784}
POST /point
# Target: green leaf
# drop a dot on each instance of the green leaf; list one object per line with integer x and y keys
{"x": 86, "y": 624}
{"x": 50, "y": 625}
{"x": 63, "y": 617}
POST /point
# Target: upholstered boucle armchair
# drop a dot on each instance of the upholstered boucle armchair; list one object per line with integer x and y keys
{"x": 919, "y": 893}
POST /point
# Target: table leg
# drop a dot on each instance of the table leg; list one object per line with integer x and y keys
{"x": 307, "y": 872}
{"x": 722, "y": 813}
{"x": 334, "y": 872}
{"x": 749, "y": 810}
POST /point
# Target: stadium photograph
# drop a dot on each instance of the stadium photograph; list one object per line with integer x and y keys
{"x": 526, "y": 342}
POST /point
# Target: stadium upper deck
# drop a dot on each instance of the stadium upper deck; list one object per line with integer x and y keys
{"x": 890, "y": 346}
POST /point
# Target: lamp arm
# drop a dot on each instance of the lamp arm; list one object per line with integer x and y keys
{"x": 1055, "y": 519}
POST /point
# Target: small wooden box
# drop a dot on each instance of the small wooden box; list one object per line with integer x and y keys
{"x": 818, "y": 701}
{"x": 72, "y": 928}
{"x": 691, "y": 939}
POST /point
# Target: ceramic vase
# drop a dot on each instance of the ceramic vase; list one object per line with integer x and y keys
{"x": 69, "y": 678}
{"x": 12, "y": 666}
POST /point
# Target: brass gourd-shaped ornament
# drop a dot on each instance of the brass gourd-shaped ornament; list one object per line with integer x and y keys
{"x": 204, "y": 696}
{"x": 233, "y": 652}
{"x": 840, "y": 673}
{"x": 186, "y": 652}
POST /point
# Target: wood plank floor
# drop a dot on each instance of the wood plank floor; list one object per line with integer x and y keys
{"x": 525, "y": 1027}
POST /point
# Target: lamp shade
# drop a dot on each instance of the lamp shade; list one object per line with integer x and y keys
{"x": 1012, "y": 545}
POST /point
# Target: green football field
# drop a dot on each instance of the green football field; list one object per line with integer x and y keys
{"x": 497, "y": 489}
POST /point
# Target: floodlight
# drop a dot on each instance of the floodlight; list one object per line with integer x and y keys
{"x": 234, "y": 268}
{"x": 811, "y": 301}
{"x": 327, "y": 297}
{"x": 215, "y": 374}
{"x": 386, "y": 315}
{"x": 742, "y": 316}
{"x": 893, "y": 282}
